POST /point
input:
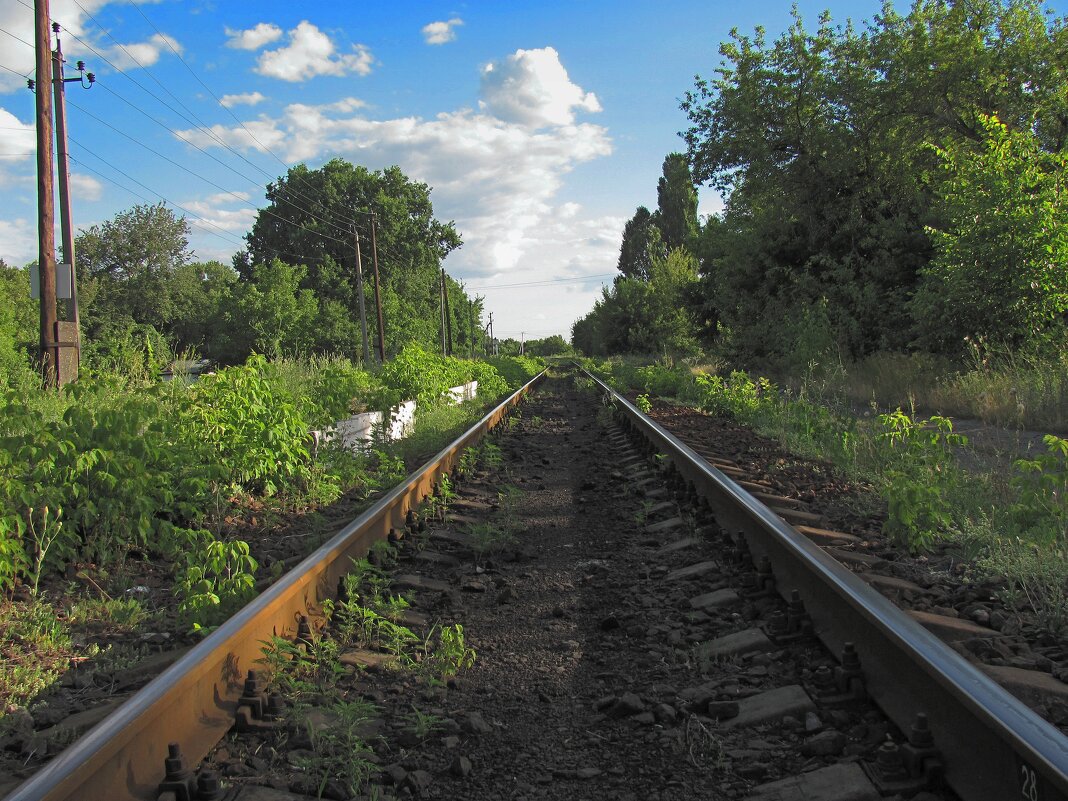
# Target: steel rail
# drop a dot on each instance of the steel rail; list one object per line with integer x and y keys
{"x": 994, "y": 746}
{"x": 193, "y": 702}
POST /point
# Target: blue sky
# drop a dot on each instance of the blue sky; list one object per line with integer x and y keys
{"x": 540, "y": 126}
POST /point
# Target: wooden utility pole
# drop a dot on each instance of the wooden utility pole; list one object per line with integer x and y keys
{"x": 359, "y": 290}
{"x": 46, "y": 212}
{"x": 448, "y": 315}
{"x": 378, "y": 292}
{"x": 492, "y": 342}
{"x": 471, "y": 327}
{"x": 441, "y": 311}
{"x": 66, "y": 223}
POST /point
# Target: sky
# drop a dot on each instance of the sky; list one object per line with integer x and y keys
{"x": 539, "y": 126}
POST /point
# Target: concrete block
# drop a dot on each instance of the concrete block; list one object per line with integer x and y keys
{"x": 716, "y": 599}
{"x": 412, "y": 582}
{"x": 741, "y": 642}
{"x": 692, "y": 571}
{"x": 833, "y": 783}
{"x": 772, "y": 706}
{"x": 665, "y": 525}
{"x": 678, "y": 545}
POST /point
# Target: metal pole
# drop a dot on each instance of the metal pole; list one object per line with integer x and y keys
{"x": 46, "y": 212}
{"x": 359, "y": 290}
{"x": 66, "y": 223}
{"x": 378, "y": 292}
{"x": 448, "y": 315}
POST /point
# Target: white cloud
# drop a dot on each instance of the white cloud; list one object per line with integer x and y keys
{"x": 311, "y": 52}
{"x": 142, "y": 54}
{"x": 18, "y": 20}
{"x": 532, "y": 88}
{"x": 18, "y": 146}
{"x": 253, "y": 38}
{"x": 18, "y": 241}
{"x": 84, "y": 187}
{"x": 245, "y": 99}
{"x": 214, "y": 217}
{"x": 497, "y": 178}
{"x": 437, "y": 33}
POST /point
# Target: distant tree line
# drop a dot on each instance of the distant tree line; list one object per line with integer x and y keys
{"x": 293, "y": 290}
{"x": 899, "y": 185}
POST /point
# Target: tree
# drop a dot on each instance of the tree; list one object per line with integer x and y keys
{"x": 1000, "y": 272}
{"x": 819, "y": 142}
{"x": 18, "y": 329}
{"x": 127, "y": 267}
{"x": 308, "y": 222}
{"x": 676, "y": 199}
{"x": 641, "y": 239}
{"x": 278, "y": 315}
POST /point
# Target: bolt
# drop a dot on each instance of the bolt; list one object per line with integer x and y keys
{"x": 823, "y": 679}
{"x": 889, "y": 763}
{"x": 276, "y": 707}
{"x": 209, "y": 788}
{"x": 850, "y": 657}
{"x": 920, "y": 735}
{"x": 304, "y": 632}
{"x": 174, "y": 765}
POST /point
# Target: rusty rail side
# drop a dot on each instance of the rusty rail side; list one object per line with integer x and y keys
{"x": 193, "y": 702}
{"x": 994, "y": 746}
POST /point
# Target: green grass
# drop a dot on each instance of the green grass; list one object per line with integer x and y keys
{"x": 35, "y": 650}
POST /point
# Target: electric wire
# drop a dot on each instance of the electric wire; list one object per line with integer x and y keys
{"x": 195, "y": 121}
{"x": 386, "y": 251}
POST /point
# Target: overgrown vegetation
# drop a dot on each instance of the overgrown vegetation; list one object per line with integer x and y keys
{"x": 1016, "y": 527}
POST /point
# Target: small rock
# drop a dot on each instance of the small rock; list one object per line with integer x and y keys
{"x": 476, "y": 724}
{"x": 722, "y": 710}
{"x": 628, "y": 704}
{"x": 452, "y": 741}
{"x": 417, "y": 782}
{"x": 665, "y": 713}
{"x": 395, "y": 774}
{"x": 587, "y": 773}
{"x": 812, "y": 722}
{"x": 826, "y": 743}
{"x": 506, "y": 596}
{"x": 461, "y": 766}
{"x": 609, "y": 623}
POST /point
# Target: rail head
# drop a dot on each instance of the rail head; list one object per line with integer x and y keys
{"x": 192, "y": 703}
{"x": 1024, "y": 756}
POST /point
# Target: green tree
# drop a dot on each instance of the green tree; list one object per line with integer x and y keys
{"x": 308, "y": 221}
{"x": 18, "y": 329}
{"x": 641, "y": 241}
{"x": 676, "y": 203}
{"x": 1001, "y": 268}
{"x": 127, "y": 266}
{"x": 276, "y": 313}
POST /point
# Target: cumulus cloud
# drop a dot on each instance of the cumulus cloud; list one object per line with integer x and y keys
{"x": 311, "y": 52}
{"x": 142, "y": 54}
{"x": 253, "y": 38}
{"x": 497, "y": 177}
{"x": 221, "y": 212}
{"x": 244, "y": 99}
{"x": 532, "y": 88}
{"x": 85, "y": 187}
{"x": 18, "y": 241}
{"x": 18, "y": 20}
{"x": 438, "y": 33}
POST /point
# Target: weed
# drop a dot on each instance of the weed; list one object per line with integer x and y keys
{"x": 921, "y": 475}
{"x": 449, "y": 656}
{"x": 216, "y": 580}
{"x": 422, "y": 724}
{"x": 339, "y": 753}
{"x": 643, "y": 403}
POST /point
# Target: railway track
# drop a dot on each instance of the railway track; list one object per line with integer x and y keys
{"x": 651, "y": 605}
